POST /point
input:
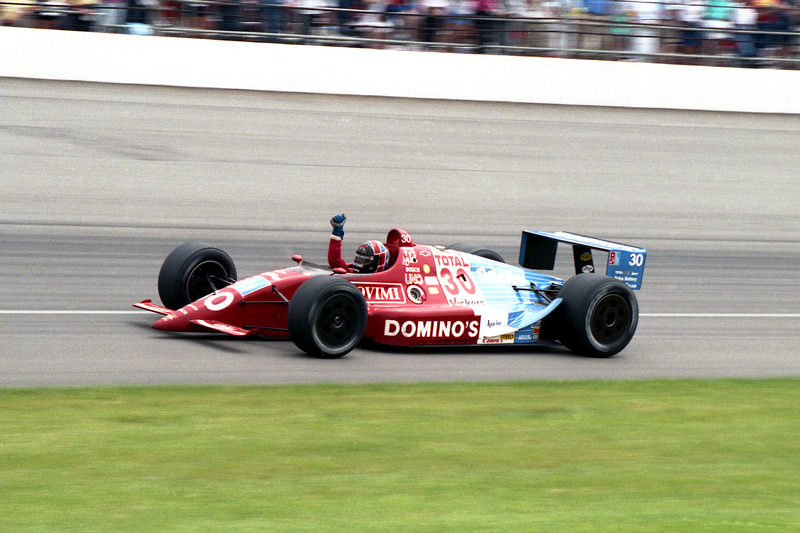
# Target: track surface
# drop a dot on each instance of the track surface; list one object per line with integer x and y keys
{"x": 101, "y": 182}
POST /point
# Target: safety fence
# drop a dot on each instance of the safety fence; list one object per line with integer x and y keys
{"x": 713, "y": 32}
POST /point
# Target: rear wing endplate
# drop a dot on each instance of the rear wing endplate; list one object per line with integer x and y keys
{"x": 625, "y": 263}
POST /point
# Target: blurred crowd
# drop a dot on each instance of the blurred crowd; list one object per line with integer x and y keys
{"x": 724, "y": 32}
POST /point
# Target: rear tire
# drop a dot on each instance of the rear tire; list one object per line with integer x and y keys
{"x": 327, "y": 317}
{"x": 486, "y": 253}
{"x": 598, "y": 315}
{"x": 191, "y": 271}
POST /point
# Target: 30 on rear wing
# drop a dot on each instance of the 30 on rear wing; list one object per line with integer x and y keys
{"x": 625, "y": 263}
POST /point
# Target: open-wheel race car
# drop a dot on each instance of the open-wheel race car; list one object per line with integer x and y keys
{"x": 425, "y": 296}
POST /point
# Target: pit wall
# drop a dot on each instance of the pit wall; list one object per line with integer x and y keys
{"x": 181, "y": 62}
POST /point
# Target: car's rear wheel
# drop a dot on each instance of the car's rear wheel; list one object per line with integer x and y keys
{"x": 486, "y": 253}
{"x": 327, "y": 317}
{"x": 598, "y": 315}
{"x": 191, "y": 271}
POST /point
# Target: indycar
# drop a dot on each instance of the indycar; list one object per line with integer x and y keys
{"x": 428, "y": 296}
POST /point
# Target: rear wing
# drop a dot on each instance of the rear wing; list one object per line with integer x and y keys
{"x": 625, "y": 263}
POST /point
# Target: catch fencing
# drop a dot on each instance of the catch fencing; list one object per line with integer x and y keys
{"x": 717, "y": 33}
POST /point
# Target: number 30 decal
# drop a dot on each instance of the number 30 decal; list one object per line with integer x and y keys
{"x": 463, "y": 278}
{"x": 636, "y": 260}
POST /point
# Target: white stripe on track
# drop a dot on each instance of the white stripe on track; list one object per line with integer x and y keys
{"x": 720, "y": 315}
{"x": 642, "y": 315}
{"x": 68, "y": 312}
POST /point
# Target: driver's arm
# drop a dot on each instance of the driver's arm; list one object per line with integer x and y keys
{"x": 335, "y": 245}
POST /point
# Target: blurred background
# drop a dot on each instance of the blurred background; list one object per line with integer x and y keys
{"x": 741, "y": 33}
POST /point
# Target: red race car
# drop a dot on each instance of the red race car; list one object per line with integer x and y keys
{"x": 422, "y": 296}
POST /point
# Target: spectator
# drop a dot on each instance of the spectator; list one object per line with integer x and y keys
{"x": 229, "y": 15}
{"x": 17, "y": 13}
{"x": 80, "y": 16}
{"x": 273, "y": 18}
{"x": 199, "y": 15}
{"x": 690, "y": 15}
{"x": 433, "y": 12}
{"x": 645, "y": 42}
{"x": 718, "y": 18}
{"x": 111, "y": 15}
{"x": 138, "y": 17}
{"x": 485, "y": 11}
{"x": 374, "y": 23}
{"x": 460, "y": 24}
{"x": 313, "y": 14}
{"x": 744, "y": 18}
{"x": 51, "y": 14}
{"x": 774, "y": 22}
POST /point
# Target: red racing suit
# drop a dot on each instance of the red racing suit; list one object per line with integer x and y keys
{"x": 335, "y": 254}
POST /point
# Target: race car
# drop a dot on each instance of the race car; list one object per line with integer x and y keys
{"x": 426, "y": 296}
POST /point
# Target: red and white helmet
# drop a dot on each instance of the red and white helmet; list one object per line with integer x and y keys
{"x": 371, "y": 256}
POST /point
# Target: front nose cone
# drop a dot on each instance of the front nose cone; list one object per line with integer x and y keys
{"x": 172, "y": 322}
{"x": 178, "y": 320}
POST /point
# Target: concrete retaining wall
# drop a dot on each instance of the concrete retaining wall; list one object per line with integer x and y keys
{"x": 170, "y": 61}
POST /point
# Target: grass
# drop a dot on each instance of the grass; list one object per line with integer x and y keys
{"x": 573, "y": 456}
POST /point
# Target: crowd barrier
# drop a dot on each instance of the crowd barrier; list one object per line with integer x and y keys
{"x": 182, "y": 62}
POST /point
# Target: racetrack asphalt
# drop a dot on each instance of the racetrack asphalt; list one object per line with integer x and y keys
{"x": 100, "y": 182}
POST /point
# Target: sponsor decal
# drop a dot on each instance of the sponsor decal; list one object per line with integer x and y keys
{"x": 527, "y": 335}
{"x": 451, "y": 261}
{"x": 409, "y": 256}
{"x": 414, "y": 279}
{"x": 415, "y": 294}
{"x": 586, "y": 256}
{"x": 587, "y": 269}
{"x": 426, "y": 269}
{"x": 613, "y": 258}
{"x": 432, "y": 329}
{"x": 382, "y": 292}
{"x": 246, "y": 286}
{"x": 431, "y": 280}
{"x": 506, "y": 338}
{"x": 219, "y": 301}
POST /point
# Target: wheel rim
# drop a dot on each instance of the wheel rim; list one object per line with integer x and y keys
{"x": 610, "y": 319}
{"x": 336, "y": 326}
{"x": 204, "y": 279}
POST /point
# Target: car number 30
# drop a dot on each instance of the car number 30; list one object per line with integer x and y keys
{"x": 636, "y": 260}
{"x": 455, "y": 284}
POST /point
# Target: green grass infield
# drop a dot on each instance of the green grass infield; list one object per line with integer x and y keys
{"x": 683, "y": 455}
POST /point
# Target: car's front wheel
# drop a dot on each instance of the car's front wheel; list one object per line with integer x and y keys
{"x": 191, "y": 271}
{"x": 327, "y": 317}
{"x": 598, "y": 315}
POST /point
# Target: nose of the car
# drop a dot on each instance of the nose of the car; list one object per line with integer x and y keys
{"x": 178, "y": 320}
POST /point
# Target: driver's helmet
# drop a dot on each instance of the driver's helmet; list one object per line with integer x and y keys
{"x": 371, "y": 256}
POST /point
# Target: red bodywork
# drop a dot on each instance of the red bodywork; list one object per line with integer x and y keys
{"x": 407, "y": 303}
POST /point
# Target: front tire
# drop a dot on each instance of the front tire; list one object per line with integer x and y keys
{"x": 327, "y": 317}
{"x": 191, "y": 271}
{"x": 598, "y": 315}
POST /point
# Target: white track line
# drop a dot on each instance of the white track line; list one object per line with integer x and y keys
{"x": 642, "y": 315}
{"x": 69, "y": 312}
{"x": 720, "y": 315}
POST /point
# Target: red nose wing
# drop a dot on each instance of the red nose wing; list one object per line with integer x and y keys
{"x": 224, "y": 328}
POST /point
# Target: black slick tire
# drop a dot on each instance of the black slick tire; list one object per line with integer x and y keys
{"x": 327, "y": 317}
{"x": 191, "y": 271}
{"x": 486, "y": 253}
{"x": 598, "y": 315}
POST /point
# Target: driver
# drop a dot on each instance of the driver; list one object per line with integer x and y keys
{"x": 371, "y": 256}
